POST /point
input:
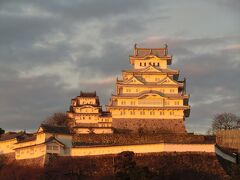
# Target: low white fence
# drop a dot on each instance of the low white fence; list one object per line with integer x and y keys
{"x": 232, "y": 157}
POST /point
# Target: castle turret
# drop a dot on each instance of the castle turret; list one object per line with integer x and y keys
{"x": 86, "y": 115}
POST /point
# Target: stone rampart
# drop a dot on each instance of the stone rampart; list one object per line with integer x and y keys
{"x": 150, "y": 125}
{"x": 123, "y": 139}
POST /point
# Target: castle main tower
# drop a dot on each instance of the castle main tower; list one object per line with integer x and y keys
{"x": 149, "y": 96}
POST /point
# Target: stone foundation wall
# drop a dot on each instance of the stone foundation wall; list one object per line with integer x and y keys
{"x": 9, "y": 158}
{"x": 33, "y": 162}
{"x": 150, "y": 125}
{"x": 124, "y": 139}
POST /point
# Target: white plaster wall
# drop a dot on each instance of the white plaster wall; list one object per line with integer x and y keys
{"x": 145, "y": 148}
{"x": 83, "y": 151}
{"x": 189, "y": 148}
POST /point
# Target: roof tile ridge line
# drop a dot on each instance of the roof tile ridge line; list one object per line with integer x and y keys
{"x": 170, "y": 69}
{"x": 151, "y": 91}
{"x": 176, "y": 81}
{"x": 145, "y": 48}
{"x": 53, "y": 138}
{"x": 92, "y": 105}
{"x": 169, "y": 78}
{"x": 144, "y": 69}
{"x": 155, "y": 67}
{"x": 138, "y": 78}
{"x": 159, "y": 69}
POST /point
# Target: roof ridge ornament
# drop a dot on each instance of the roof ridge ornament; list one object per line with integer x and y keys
{"x": 150, "y": 52}
{"x": 135, "y": 50}
{"x": 166, "y": 49}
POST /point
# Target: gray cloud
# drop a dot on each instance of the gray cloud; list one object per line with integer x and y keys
{"x": 28, "y": 101}
{"x": 213, "y": 86}
{"x": 113, "y": 59}
{"x": 231, "y": 4}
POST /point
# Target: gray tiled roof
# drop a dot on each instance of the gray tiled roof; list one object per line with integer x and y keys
{"x": 10, "y": 135}
{"x": 55, "y": 129}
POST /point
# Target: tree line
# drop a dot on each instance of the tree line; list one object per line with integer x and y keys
{"x": 222, "y": 121}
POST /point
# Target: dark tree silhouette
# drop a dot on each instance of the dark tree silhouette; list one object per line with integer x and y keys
{"x": 2, "y": 131}
{"x": 225, "y": 121}
{"x": 57, "y": 119}
{"x": 126, "y": 168}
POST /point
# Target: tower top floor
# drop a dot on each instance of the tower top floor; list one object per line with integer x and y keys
{"x": 86, "y": 98}
{"x": 144, "y": 57}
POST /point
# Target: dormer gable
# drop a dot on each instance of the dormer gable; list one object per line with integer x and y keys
{"x": 156, "y": 99}
{"x": 168, "y": 80}
{"x": 133, "y": 80}
{"x": 150, "y": 69}
{"x": 152, "y": 96}
{"x": 88, "y": 106}
{"x": 87, "y": 109}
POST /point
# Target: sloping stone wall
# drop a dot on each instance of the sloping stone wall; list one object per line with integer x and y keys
{"x": 124, "y": 139}
{"x": 33, "y": 162}
{"x": 150, "y": 125}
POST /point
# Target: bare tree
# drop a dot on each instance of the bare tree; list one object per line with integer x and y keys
{"x": 57, "y": 119}
{"x": 225, "y": 121}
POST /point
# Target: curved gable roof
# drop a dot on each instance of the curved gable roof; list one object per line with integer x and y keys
{"x": 150, "y": 92}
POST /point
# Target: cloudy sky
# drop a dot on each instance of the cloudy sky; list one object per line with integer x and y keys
{"x": 50, "y": 50}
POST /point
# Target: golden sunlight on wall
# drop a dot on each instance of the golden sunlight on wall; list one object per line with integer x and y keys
{"x": 7, "y": 146}
{"x": 30, "y": 152}
{"x": 145, "y": 148}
